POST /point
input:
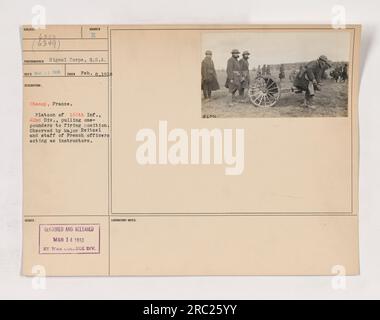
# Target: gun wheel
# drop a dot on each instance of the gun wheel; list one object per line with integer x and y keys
{"x": 264, "y": 92}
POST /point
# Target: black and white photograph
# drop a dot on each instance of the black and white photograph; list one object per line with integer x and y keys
{"x": 275, "y": 74}
{"x": 190, "y": 158}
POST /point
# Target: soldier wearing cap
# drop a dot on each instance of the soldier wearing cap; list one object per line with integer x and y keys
{"x": 209, "y": 78}
{"x": 233, "y": 80}
{"x": 309, "y": 79}
{"x": 244, "y": 69}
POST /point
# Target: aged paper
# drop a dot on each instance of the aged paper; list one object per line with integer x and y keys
{"x": 190, "y": 150}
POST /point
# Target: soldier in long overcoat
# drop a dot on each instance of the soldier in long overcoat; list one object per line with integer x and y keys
{"x": 245, "y": 76}
{"x": 209, "y": 78}
{"x": 309, "y": 79}
{"x": 233, "y": 81}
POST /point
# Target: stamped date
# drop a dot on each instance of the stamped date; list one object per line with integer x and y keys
{"x": 69, "y": 239}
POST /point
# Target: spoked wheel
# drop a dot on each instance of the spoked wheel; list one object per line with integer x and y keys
{"x": 264, "y": 92}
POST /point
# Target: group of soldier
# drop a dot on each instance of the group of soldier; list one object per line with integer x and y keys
{"x": 308, "y": 79}
{"x": 238, "y": 77}
{"x": 340, "y": 73}
{"x": 264, "y": 70}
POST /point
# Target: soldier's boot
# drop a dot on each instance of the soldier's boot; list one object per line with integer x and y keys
{"x": 310, "y": 102}
{"x": 233, "y": 100}
{"x": 241, "y": 95}
{"x": 209, "y": 94}
{"x": 304, "y": 103}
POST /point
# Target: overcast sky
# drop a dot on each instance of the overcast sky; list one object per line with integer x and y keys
{"x": 268, "y": 47}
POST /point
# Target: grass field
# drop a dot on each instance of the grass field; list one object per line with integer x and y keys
{"x": 331, "y": 101}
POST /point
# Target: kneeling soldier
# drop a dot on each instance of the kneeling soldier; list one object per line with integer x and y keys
{"x": 309, "y": 79}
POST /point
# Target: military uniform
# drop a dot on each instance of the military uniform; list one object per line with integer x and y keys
{"x": 309, "y": 77}
{"x": 267, "y": 71}
{"x": 345, "y": 73}
{"x": 336, "y": 74}
{"x": 311, "y": 72}
{"x": 264, "y": 70}
{"x": 282, "y": 72}
{"x": 233, "y": 81}
{"x": 209, "y": 78}
{"x": 245, "y": 76}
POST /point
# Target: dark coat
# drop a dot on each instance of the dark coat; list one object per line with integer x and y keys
{"x": 345, "y": 73}
{"x": 244, "y": 69}
{"x": 208, "y": 73}
{"x": 233, "y": 80}
{"x": 311, "y": 72}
